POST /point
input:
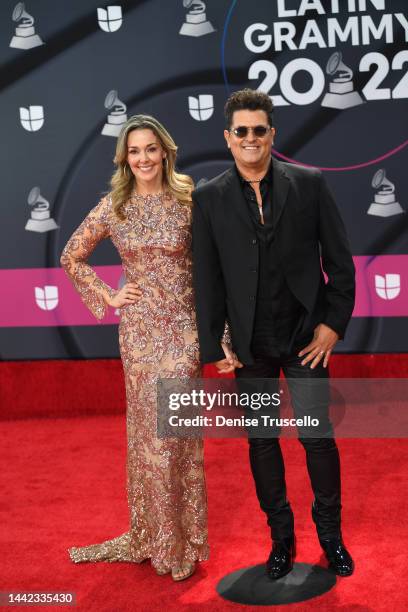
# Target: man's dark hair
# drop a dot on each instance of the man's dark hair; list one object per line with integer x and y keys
{"x": 248, "y": 99}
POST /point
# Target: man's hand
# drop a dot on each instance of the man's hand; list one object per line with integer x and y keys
{"x": 229, "y": 363}
{"x": 323, "y": 342}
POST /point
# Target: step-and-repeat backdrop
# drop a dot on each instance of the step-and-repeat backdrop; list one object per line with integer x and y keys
{"x": 71, "y": 74}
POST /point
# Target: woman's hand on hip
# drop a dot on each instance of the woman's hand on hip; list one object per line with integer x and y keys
{"x": 129, "y": 294}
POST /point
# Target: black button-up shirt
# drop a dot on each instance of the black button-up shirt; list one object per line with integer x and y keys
{"x": 279, "y": 315}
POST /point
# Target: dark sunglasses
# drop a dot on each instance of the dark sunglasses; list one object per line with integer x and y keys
{"x": 259, "y": 131}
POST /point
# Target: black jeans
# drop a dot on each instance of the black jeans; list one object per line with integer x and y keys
{"x": 308, "y": 396}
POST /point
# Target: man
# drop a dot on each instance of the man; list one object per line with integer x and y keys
{"x": 260, "y": 231}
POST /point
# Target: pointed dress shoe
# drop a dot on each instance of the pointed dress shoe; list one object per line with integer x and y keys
{"x": 280, "y": 561}
{"x": 339, "y": 558}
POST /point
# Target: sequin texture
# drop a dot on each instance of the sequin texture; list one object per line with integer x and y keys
{"x": 157, "y": 339}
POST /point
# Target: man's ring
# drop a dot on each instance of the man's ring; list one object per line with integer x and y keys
{"x": 321, "y": 353}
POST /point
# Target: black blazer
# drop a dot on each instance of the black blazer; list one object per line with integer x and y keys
{"x": 226, "y": 253}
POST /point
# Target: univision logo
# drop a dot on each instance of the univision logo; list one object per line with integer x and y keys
{"x": 201, "y": 108}
{"x": 32, "y": 118}
{"x": 47, "y": 297}
{"x": 388, "y": 287}
{"x": 110, "y": 19}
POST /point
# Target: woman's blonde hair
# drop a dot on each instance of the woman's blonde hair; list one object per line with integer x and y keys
{"x": 122, "y": 181}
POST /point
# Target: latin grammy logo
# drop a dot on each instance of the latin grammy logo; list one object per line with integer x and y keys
{"x": 25, "y": 36}
{"x": 385, "y": 204}
{"x": 32, "y": 118}
{"x": 201, "y": 108}
{"x": 196, "y": 23}
{"x": 341, "y": 88}
{"x": 40, "y": 220}
{"x": 110, "y": 19}
{"x": 117, "y": 117}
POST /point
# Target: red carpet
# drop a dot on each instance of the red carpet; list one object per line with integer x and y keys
{"x": 64, "y": 387}
{"x": 63, "y": 484}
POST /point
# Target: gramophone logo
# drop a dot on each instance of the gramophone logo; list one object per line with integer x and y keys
{"x": 46, "y": 297}
{"x": 40, "y": 220}
{"x": 388, "y": 287}
{"x": 341, "y": 89}
{"x": 25, "y": 36}
{"x": 201, "y": 108}
{"x": 117, "y": 117}
{"x": 385, "y": 204}
{"x": 196, "y": 23}
{"x": 32, "y": 118}
{"x": 110, "y": 19}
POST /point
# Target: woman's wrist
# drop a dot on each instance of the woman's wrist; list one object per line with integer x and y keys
{"x": 108, "y": 295}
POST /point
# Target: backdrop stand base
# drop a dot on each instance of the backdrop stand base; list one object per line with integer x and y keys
{"x": 252, "y": 586}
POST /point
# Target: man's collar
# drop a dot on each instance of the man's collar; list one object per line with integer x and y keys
{"x": 268, "y": 176}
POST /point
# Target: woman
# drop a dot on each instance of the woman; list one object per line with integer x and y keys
{"x": 147, "y": 215}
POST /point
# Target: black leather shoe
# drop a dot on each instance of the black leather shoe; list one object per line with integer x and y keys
{"x": 281, "y": 559}
{"x": 339, "y": 558}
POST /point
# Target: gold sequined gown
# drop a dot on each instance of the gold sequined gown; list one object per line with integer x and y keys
{"x": 157, "y": 339}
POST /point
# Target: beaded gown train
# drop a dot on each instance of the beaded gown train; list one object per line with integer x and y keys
{"x": 157, "y": 339}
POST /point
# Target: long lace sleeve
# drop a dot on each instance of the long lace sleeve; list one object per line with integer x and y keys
{"x": 226, "y": 337}
{"x": 83, "y": 241}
